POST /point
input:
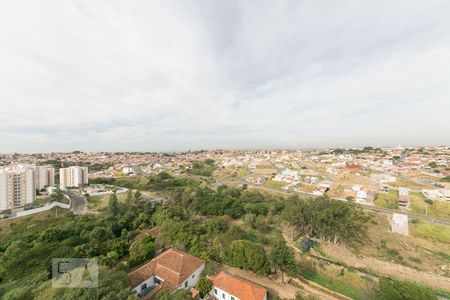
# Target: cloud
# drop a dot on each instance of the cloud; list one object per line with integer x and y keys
{"x": 149, "y": 75}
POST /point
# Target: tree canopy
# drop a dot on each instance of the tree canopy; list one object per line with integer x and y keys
{"x": 248, "y": 255}
{"x": 327, "y": 219}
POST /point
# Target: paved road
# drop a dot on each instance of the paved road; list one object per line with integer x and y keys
{"x": 411, "y": 215}
{"x": 77, "y": 202}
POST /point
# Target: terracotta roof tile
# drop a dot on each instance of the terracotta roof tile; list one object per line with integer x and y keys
{"x": 173, "y": 266}
{"x": 194, "y": 293}
{"x": 238, "y": 287}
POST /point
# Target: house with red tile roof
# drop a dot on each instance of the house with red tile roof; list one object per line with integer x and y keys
{"x": 232, "y": 287}
{"x": 171, "y": 270}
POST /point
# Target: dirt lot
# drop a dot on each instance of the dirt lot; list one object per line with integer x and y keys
{"x": 416, "y": 259}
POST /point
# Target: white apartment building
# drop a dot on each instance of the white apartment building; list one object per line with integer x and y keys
{"x": 73, "y": 177}
{"x": 45, "y": 176}
{"x": 17, "y": 186}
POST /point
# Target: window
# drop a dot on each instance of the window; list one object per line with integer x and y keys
{"x": 232, "y": 298}
{"x": 223, "y": 295}
{"x": 193, "y": 275}
{"x": 143, "y": 287}
{"x": 215, "y": 292}
{"x": 185, "y": 284}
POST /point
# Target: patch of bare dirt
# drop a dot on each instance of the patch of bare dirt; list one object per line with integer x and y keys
{"x": 342, "y": 253}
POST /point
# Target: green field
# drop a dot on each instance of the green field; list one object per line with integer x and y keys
{"x": 400, "y": 182}
{"x": 388, "y": 200}
{"x": 333, "y": 278}
{"x": 435, "y": 232}
{"x": 100, "y": 202}
{"x": 437, "y": 208}
{"x": 242, "y": 172}
{"x": 272, "y": 183}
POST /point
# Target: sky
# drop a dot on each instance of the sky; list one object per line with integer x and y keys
{"x": 177, "y": 75}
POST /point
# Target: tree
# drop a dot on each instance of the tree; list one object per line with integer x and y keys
{"x": 110, "y": 259}
{"x": 209, "y": 161}
{"x": 327, "y": 219}
{"x": 247, "y": 255}
{"x": 296, "y": 214}
{"x": 204, "y": 286}
{"x": 180, "y": 294}
{"x": 57, "y": 196}
{"x": 112, "y": 285}
{"x": 130, "y": 198}
{"x": 203, "y": 168}
{"x": 177, "y": 233}
{"x": 433, "y": 164}
{"x": 141, "y": 250}
{"x": 282, "y": 258}
{"x": 113, "y": 205}
{"x": 445, "y": 179}
{"x": 138, "y": 197}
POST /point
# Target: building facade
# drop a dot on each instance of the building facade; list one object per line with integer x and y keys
{"x": 73, "y": 177}
{"x": 17, "y": 186}
{"x": 45, "y": 176}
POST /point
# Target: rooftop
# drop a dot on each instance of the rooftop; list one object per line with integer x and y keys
{"x": 173, "y": 266}
{"x": 238, "y": 287}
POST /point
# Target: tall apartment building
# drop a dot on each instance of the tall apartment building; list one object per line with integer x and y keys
{"x": 17, "y": 186}
{"x": 45, "y": 176}
{"x": 73, "y": 177}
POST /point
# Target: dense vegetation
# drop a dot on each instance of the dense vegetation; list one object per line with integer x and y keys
{"x": 203, "y": 168}
{"x": 28, "y": 246}
{"x": 228, "y": 225}
{"x": 247, "y": 255}
{"x": 402, "y": 290}
{"x": 326, "y": 219}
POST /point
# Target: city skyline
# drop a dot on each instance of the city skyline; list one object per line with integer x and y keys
{"x": 149, "y": 76}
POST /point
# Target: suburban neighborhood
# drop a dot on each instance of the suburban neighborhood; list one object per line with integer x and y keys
{"x": 402, "y": 189}
{"x": 224, "y": 150}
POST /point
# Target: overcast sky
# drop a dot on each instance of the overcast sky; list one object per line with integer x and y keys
{"x": 160, "y": 75}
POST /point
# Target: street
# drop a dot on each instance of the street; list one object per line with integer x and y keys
{"x": 77, "y": 202}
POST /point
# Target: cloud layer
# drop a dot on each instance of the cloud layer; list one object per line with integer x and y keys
{"x": 161, "y": 75}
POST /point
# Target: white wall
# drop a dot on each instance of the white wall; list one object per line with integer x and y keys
{"x": 121, "y": 191}
{"x": 45, "y": 176}
{"x": 150, "y": 282}
{"x": 30, "y": 186}
{"x": 221, "y": 294}
{"x": 193, "y": 281}
{"x": 73, "y": 176}
{"x": 41, "y": 209}
{"x": 3, "y": 195}
{"x": 85, "y": 171}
